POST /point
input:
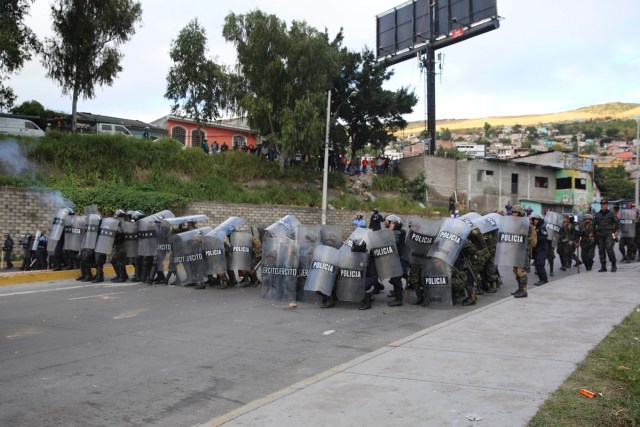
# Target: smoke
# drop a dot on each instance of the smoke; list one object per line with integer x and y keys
{"x": 56, "y": 199}
{"x": 12, "y": 159}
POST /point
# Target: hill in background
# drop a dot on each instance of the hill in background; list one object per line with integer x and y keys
{"x": 611, "y": 110}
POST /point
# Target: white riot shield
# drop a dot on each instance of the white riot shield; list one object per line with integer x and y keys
{"x": 475, "y": 220}
{"x": 359, "y": 235}
{"x": 331, "y": 235}
{"x": 351, "y": 275}
{"x": 163, "y": 246}
{"x": 91, "y": 232}
{"x": 68, "y": 226}
{"x": 79, "y": 223}
{"x": 107, "y": 235}
{"x": 130, "y": 230}
{"x": 491, "y": 221}
{"x": 436, "y": 283}
{"x": 553, "y": 224}
{"x": 241, "y": 250}
{"x": 385, "y": 253}
{"x": 322, "y": 270}
{"x": 305, "y": 256}
{"x": 628, "y": 222}
{"x": 420, "y": 238}
{"x": 279, "y": 270}
{"x": 284, "y": 227}
{"x": 147, "y": 236}
{"x": 450, "y": 240}
{"x": 308, "y": 234}
{"x": 57, "y": 228}
{"x": 513, "y": 234}
{"x": 171, "y": 221}
{"x": 188, "y": 257}
{"x": 214, "y": 251}
{"x": 34, "y": 242}
{"x": 230, "y": 225}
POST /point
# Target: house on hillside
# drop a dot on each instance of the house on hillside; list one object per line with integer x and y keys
{"x": 552, "y": 180}
{"x": 234, "y": 132}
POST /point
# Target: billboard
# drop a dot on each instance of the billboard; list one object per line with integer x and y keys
{"x": 411, "y": 26}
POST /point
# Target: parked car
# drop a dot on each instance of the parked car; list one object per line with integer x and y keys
{"x": 15, "y": 126}
{"x": 112, "y": 129}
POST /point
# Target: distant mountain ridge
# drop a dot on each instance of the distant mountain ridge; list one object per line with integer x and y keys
{"x": 613, "y": 110}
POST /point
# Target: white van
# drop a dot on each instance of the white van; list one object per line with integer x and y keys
{"x": 22, "y": 127}
{"x": 112, "y": 129}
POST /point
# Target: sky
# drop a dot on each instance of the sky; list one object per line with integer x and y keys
{"x": 547, "y": 56}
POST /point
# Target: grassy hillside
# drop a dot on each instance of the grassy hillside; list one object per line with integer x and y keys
{"x": 613, "y": 110}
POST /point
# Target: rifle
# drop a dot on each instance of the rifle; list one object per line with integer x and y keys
{"x": 473, "y": 276}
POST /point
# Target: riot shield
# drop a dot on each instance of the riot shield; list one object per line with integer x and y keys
{"x": 279, "y": 268}
{"x": 284, "y": 227}
{"x": 188, "y": 257}
{"x": 305, "y": 256}
{"x": 308, "y": 235}
{"x": 420, "y": 237}
{"x": 474, "y": 219}
{"x": 79, "y": 223}
{"x": 130, "y": 230}
{"x": 553, "y": 223}
{"x": 230, "y": 225}
{"x": 331, "y": 235}
{"x": 107, "y": 235}
{"x": 450, "y": 240}
{"x": 214, "y": 251}
{"x": 147, "y": 236}
{"x": 163, "y": 245}
{"x": 491, "y": 221}
{"x": 57, "y": 228}
{"x": 359, "y": 235}
{"x": 36, "y": 238}
{"x": 351, "y": 275}
{"x": 323, "y": 270}
{"x": 241, "y": 256}
{"x": 513, "y": 234}
{"x": 91, "y": 232}
{"x": 436, "y": 282}
{"x": 68, "y": 235}
{"x": 171, "y": 221}
{"x": 628, "y": 222}
{"x": 385, "y": 253}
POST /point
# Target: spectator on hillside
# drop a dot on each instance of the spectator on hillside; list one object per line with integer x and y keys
{"x": 215, "y": 147}
{"x": 224, "y": 147}
{"x": 205, "y": 146}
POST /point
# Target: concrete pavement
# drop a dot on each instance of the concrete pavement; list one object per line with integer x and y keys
{"x": 493, "y": 366}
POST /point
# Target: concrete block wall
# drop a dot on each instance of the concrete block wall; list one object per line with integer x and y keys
{"x": 440, "y": 174}
{"x": 25, "y": 211}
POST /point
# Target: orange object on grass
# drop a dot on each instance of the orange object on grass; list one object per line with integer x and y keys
{"x": 587, "y": 393}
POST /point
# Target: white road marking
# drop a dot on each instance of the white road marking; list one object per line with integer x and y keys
{"x": 96, "y": 296}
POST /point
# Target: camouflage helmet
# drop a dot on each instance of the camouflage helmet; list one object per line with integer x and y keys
{"x": 518, "y": 209}
{"x": 588, "y": 217}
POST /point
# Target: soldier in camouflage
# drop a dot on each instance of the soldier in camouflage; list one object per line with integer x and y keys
{"x": 521, "y": 272}
{"x": 490, "y": 278}
{"x": 606, "y": 227}
{"x": 587, "y": 242}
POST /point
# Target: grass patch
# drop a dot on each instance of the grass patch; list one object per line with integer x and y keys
{"x": 612, "y": 371}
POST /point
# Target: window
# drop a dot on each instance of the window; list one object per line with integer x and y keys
{"x": 29, "y": 125}
{"x": 485, "y": 175}
{"x": 121, "y": 129}
{"x": 106, "y": 127}
{"x": 541, "y": 182}
{"x": 196, "y": 140}
{"x": 239, "y": 141}
{"x": 514, "y": 183}
{"x": 179, "y": 134}
{"x": 563, "y": 183}
{"x": 581, "y": 184}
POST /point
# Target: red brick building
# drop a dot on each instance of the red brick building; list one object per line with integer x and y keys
{"x": 233, "y": 132}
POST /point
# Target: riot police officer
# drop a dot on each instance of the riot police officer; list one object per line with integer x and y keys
{"x": 521, "y": 272}
{"x": 395, "y": 223}
{"x": 541, "y": 248}
{"x": 7, "y": 249}
{"x": 375, "y": 223}
{"x": 606, "y": 227}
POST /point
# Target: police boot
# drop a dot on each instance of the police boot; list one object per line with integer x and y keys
{"x": 603, "y": 268}
{"x": 160, "y": 277}
{"x": 169, "y": 274}
{"x": 521, "y": 292}
{"x": 492, "y": 288}
{"x": 327, "y": 301}
{"x": 420, "y": 295}
{"x": 551, "y": 270}
{"x": 366, "y": 302}
{"x": 397, "y": 290}
{"x": 201, "y": 285}
{"x": 222, "y": 282}
{"x": 152, "y": 274}
{"x": 232, "y": 278}
{"x": 99, "y": 278}
{"x": 82, "y": 275}
{"x": 578, "y": 262}
{"x": 470, "y": 300}
{"x": 378, "y": 287}
{"x": 254, "y": 279}
{"x": 245, "y": 279}
{"x": 613, "y": 267}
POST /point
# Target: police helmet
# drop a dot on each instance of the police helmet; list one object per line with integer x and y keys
{"x": 360, "y": 214}
{"x": 588, "y": 217}
{"x": 119, "y": 213}
{"x": 536, "y": 216}
{"x": 518, "y": 209}
{"x": 71, "y": 211}
{"x": 375, "y": 210}
{"x": 394, "y": 218}
{"x": 136, "y": 215}
{"x": 359, "y": 246}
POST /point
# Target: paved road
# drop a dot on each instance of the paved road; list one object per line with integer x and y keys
{"x": 132, "y": 354}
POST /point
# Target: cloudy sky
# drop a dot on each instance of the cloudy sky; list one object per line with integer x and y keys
{"x": 547, "y": 56}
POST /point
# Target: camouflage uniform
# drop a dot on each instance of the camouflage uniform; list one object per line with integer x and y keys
{"x": 250, "y": 277}
{"x": 490, "y": 278}
{"x": 566, "y": 244}
{"x": 587, "y": 242}
{"x": 606, "y": 223}
{"x": 521, "y": 272}
{"x": 472, "y": 265}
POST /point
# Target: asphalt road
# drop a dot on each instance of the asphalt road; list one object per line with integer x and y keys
{"x": 76, "y": 354}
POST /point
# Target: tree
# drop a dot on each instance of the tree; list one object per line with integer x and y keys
{"x": 445, "y": 134}
{"x": 282, "y": 78}
{"x": 372, "y": 114}
{"x": 487, "y": 129}
{"x": 17, "y": 44}
{"x": 614, "y": 183}
{"x": 194, "y": 83}
{"x": 35, "y": 109}
{"x": 84, "y": 52}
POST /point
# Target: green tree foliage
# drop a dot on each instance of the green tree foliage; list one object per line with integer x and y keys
{"x": 450, "y": 152}
{"x": 445, "y": 134}
{"x": 487, "y": 130}
{"x": 614, "y": 183}
{"x": 281, "y": 79}
{"x": 373, "y": 114}
{"x": 194, "y": 82}
{"x": 84, "y": 50}
{"x": 17, "y": 44}
{"x": 34, "y": 109}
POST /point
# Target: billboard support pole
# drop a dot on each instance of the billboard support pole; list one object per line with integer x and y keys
{"x": 431, "y": 98}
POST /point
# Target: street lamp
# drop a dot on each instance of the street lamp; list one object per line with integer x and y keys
{"x": 637, "y": 144}
{"x": 325, "y": 176}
